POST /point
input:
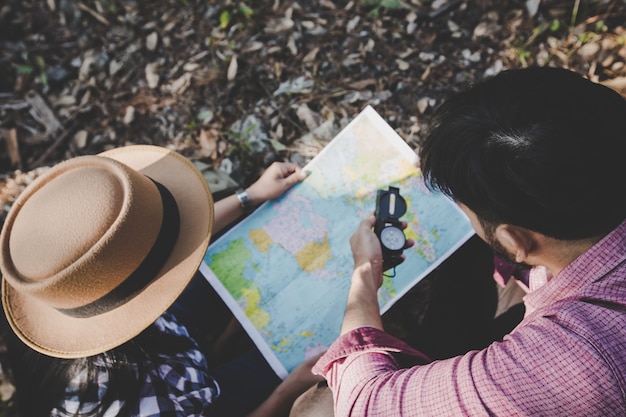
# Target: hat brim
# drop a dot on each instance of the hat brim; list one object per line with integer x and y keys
{"x": 53, "y": 333}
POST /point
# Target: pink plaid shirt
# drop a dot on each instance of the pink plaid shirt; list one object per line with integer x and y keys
{"x": 566, "y": 358}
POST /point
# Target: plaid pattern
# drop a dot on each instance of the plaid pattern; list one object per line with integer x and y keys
{"x": 180, "y": 387}
{"x": 566, "y": 358}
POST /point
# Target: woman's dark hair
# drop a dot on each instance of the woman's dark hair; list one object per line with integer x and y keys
{"x": 41, "y": 380}
{"x": 540, "y": 148}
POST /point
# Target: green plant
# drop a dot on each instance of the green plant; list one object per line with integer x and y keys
{"x": 586, "y": 37}
{"x": 192, "y": 125}
{"x": 575, "y": 9}
{"x": 562, "y": 26}
{"x": 238, "y": 140}
{"x": 523, "y": 56}
{"x": 28, "y": 69}
{"x": 522, "y": 48}
{"x": 381, "y": 4}
{"x": 241, "y": 9}
{"x": 41, "y": 65}
{"x": 24, "y": 69}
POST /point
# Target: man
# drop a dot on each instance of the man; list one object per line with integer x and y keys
{"x": 534, "y": 157}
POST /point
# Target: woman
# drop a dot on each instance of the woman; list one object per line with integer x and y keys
{"x": 96, "y": 255}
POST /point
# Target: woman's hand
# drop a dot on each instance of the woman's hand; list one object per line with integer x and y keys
{"x": 278, "y": 178}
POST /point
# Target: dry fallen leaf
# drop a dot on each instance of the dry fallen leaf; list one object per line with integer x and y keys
{"x": 151, "y": 41}
{"x": 85, "y": 66}
{"x": 362, "y": 84}
{"x": 310, "y": 57}
{"x": 179, "y": 85}
{"x": 80, "y": 139}
{"x": 151, "y": 75}
{"x": 402, "y": 64}
{"x": 129, "y": 115}
{"x": 279, "y": 25}
{"x": 422, "y": 104}
{"x": 232, "y": 68}
{"x": 208, "y": 143}
{"x": 309, "y": 117}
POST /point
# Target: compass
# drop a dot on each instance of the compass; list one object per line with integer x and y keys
{"x": 390, "y": 206}
{"x": 392, "y": 238}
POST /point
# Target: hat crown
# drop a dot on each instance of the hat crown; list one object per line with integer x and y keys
{"x": 59, "y": 224}
{"x": 144, "y": 232}
{"x": 80, "y": 231}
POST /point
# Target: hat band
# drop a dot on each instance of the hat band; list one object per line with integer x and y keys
{"x": 146, "y": 271}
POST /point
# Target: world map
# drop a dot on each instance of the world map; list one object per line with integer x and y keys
{"x": 285, "y": 270}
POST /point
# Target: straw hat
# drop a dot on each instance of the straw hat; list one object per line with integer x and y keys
{"x": 98, "y": 247}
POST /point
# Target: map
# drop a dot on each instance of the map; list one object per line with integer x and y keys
{"x": 285, "y": 270}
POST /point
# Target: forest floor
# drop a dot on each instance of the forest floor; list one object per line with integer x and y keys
{"x": 235, "y": 84}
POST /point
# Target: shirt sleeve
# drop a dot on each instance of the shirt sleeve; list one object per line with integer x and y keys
{"x": 539, "y": 371}
{"x": 180, "y": 384}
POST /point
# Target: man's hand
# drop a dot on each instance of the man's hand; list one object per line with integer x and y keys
{"x": 362, "y": 307}
{"x": 366, "y": 247}
{"x": 366, "y": 250}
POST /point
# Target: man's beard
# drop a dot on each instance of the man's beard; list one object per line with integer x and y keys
{"x": 499, "y": 249}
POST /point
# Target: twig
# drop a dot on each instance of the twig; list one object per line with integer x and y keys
{"x": 10, "y": 137}
{"x": 92, "y": 12}
{"x": 42, "y": 113}
{"x": 42, "y": 159}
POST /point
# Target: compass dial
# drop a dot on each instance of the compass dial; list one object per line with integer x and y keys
{"x": 392, "y": 238}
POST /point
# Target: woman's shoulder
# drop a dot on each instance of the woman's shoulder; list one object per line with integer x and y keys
{"x": 173, "y": 375}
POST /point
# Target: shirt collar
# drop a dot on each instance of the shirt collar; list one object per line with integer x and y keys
{"x": 590, "y": 266}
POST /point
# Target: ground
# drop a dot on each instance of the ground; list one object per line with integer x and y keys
{"x": 236, "y": 85}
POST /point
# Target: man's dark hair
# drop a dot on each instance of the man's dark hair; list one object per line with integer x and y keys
{"x": 540, "y": 148}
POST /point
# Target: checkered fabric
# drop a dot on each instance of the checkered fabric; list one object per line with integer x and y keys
{"x": 566, "y": 358}
{"x": 180, "y": 386}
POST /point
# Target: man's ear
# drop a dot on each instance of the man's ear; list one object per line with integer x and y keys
{"x": 517, "y": 240}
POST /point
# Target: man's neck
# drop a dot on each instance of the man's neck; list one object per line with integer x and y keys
{"x": 556, "y": 254}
